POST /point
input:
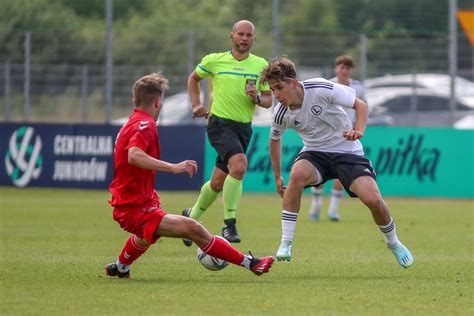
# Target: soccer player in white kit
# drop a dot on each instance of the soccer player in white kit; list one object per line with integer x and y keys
{"x": 344, "y": 65}
{"x": 313, "y": 108}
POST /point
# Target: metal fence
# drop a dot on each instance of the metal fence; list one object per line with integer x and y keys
{"x": 75, "y": 91}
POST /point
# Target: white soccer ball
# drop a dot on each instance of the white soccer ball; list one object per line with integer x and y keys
{"x": 210, "y": 262}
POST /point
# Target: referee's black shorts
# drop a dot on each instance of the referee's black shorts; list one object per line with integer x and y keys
{"x": 345, "y": 167}
{"x": 228, "y": 138}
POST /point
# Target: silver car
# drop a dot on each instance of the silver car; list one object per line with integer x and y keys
{"x": 419, "y": 99}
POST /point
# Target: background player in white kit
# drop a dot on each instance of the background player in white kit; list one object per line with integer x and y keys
{"x": 313, "y": 108}
{"x": 343, "y": 67}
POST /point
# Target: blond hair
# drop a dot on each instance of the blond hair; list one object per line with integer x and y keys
{"x": 148, "y": 87}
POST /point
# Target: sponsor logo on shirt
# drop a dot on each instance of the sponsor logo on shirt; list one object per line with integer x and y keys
{"x": 142, "y": 125}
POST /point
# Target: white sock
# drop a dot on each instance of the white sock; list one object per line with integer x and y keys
{"x": 246, "y": 262}
{"x": 288, "y": 223}
{"x": 123, "y": 268}
{"x": 317, "y": 200}
{"x": 336, "y": 196}
{"x": 390, "y": 233}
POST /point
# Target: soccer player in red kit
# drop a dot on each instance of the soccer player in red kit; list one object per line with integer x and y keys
{"x": 137, "y": 206}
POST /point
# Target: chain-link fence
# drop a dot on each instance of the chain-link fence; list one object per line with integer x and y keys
{"x": 73, "y": 88}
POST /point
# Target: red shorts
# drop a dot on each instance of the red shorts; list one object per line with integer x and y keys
{"x": 140, "y": 221}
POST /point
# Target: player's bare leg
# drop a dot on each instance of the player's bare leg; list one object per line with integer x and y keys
{"x": 183, "y": 227}
{"x": 217, "y": 179}
{"x": 368, "y": 192}
{"x": 302, "y": 174}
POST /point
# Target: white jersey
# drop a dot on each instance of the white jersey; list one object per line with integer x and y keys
{"x": 360, "y": 93}
{"x": 320, "y": 120}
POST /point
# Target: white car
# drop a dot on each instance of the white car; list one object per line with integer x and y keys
{"x": 176, "y": 110}
{"x": 419, "y": 100}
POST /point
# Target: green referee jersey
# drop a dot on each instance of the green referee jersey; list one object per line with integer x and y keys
{"x": 229, "y": 79}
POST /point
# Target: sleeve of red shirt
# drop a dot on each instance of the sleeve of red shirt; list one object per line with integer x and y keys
{"x": 142, "y": 136}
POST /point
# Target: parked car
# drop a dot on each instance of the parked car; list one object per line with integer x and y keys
{"x": 419, "y": 100}
{"x": 466, "y": 122}
{"x": 177, "y": 111}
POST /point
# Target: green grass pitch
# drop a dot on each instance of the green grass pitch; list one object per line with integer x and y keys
{"x": 55, "y": 243}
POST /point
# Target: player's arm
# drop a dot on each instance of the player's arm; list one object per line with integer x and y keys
{"x": 275, "y": 156}
{"x": 346, "y": 96}
{"x": 138, "y": 158}
{"x": 194, "y": 91}
{"x": 362, "y": 111}
{"x": 265, "y": 99}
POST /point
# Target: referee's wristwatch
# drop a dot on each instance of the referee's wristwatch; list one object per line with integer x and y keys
{"x": 258, "y": 99}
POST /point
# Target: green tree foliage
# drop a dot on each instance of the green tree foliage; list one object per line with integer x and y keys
{"x": 421, "y": 16}
{"x": 152, "y": 32}
{"x": 49, "y": 29}
{"x": 311, "y": 22}
{"x": 95, "y": 9}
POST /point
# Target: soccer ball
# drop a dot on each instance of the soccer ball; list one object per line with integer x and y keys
{"x": 210, "y": 262}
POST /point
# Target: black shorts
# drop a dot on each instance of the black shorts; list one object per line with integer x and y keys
{"x": 228, "y": 138}
{"x": 345, "y": 167}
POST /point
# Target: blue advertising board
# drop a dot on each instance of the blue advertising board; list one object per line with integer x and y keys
{"x": 81, "y": 155}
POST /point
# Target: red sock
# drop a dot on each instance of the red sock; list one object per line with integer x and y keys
{"x": 219, "y": 248}
{"x": 131, "y": 251}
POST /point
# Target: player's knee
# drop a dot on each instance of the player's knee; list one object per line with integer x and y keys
{"x": 198, "y": 234}
{"x": 376, "y": 203}
{"x": 238, "y": 169}
{"x": 298, "y": 178}
{"x": 216, "y": 185}
{"x": 195, "y": 230}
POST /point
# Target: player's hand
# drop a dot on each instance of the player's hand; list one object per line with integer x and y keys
{"x": 200, "y": 111}
{"x": 187, "y": 166}
{"x": 352, "y": 134}
{"x": 280, "y": 186}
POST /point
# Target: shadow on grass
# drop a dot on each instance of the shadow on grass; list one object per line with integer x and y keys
{"x": 226, "y": 280}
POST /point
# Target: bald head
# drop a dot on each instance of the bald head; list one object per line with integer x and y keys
{"x": 243, "y": 23}
{"x": 243, "y": 37}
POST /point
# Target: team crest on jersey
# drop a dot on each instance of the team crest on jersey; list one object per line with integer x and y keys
{"x": 316, "y": 109}
{"x": 276, "y": 132}
{"x": 142, "y": 125}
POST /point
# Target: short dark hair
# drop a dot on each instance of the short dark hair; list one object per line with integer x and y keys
{"x": 345, "y": 60}
{"x": 279, "y": 68}
{"x": 148, "y": 87}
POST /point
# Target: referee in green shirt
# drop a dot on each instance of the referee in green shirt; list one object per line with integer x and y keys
{"x": 236, "y": 90}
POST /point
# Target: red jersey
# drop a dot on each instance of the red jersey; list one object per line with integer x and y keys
{"x": 133, "y": 186}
